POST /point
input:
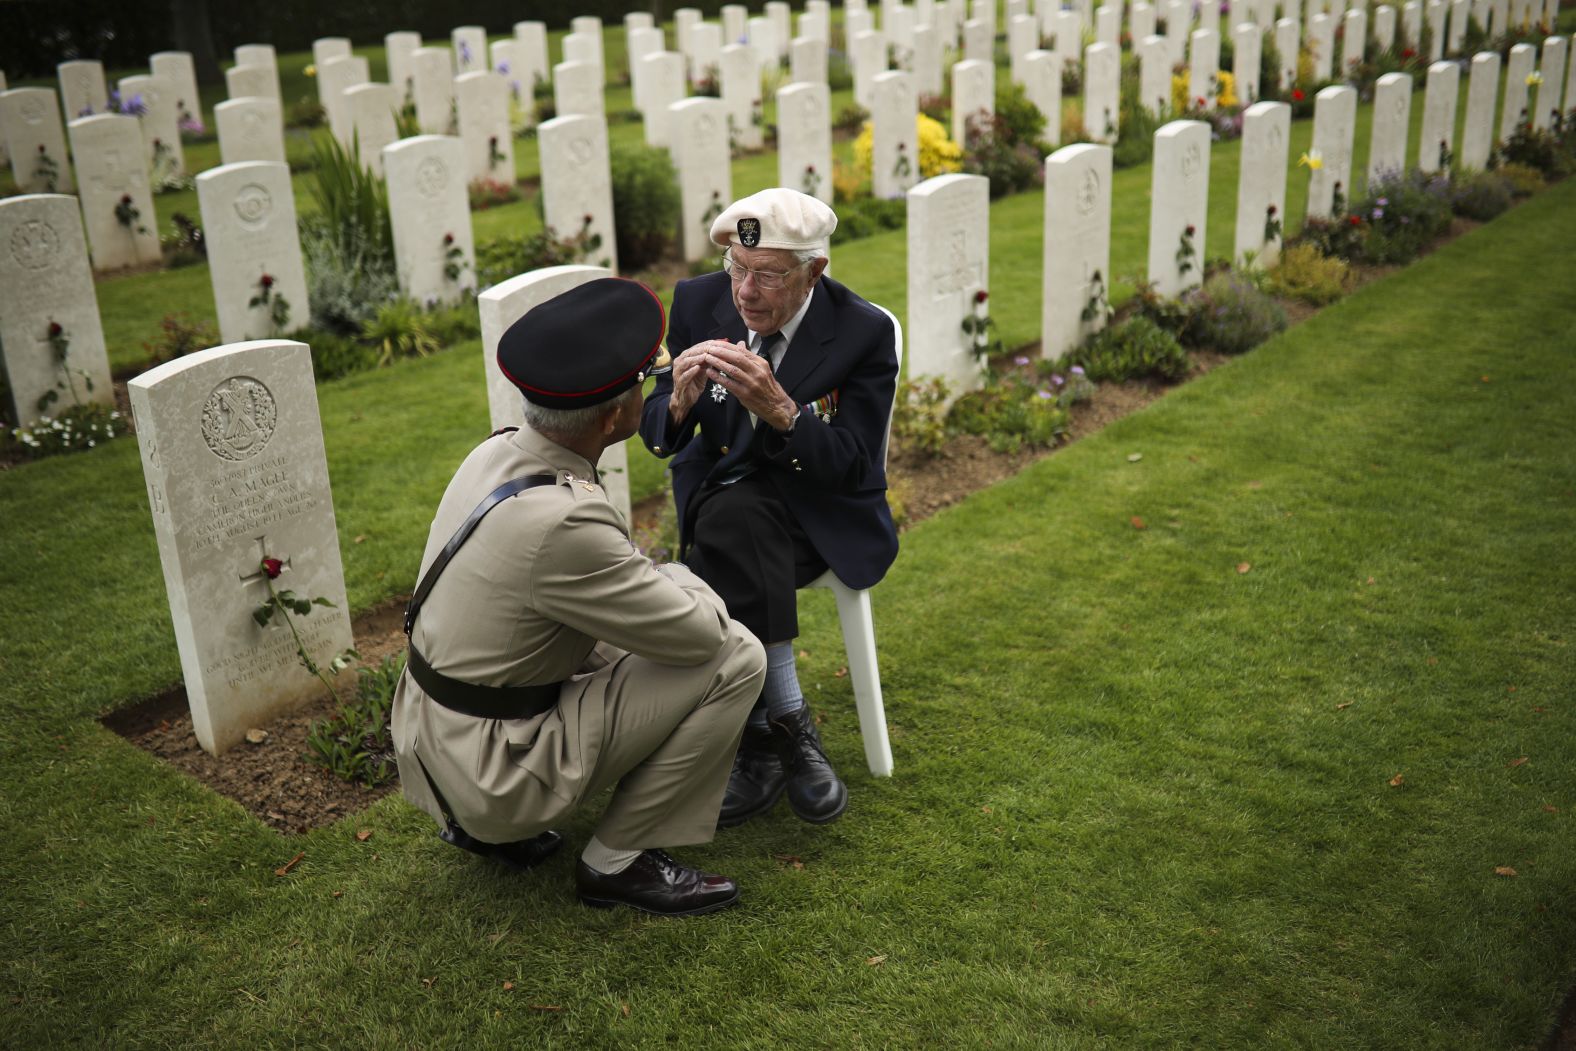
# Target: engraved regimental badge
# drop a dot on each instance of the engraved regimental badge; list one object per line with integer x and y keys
{"x": 749, "y": 232}
{"x": 663, "y": 362}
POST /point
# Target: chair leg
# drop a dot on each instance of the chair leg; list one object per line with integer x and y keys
{"x": 859, "y": 640}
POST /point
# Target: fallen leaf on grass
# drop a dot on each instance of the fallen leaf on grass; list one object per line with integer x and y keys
{"x": 1516, "y": 762}
{"x": 1547, "y": 809}
{"x": 284, "y": 870}
{"x": 793, "y": 861}
{"x": 546, "y": 1007}
{"x": 1255, "y": 485}
{"x": 1343, "y": 706}
{"x": 623, "y": 1009}
{"x": 1504, "y": 870}
{"x": 985, "y": 810}
{"x": 360, "y": 538}
{"x": 508, "y": 986}
{"x": 428, "y": 983}
{"x": 363, "y": 835}
{"x": 1483, "y": 379}
{"x": 1396, "y": 781}
{"x": 1510, "y": 689}
{"x": 1134, "y": 457}
{"x": 840, "y": 673}
{"x": 1370, "y": 580}
{"x": 1243, "y": 567}
{"x": 496, "y": 937}
{"x": 1138, "y": 523}
{"x": 876, "y": 961}
{"x": 1433, "y": 660}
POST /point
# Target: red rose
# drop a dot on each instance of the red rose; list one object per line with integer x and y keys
{"x": 1273, "y": 209}
{"x": 1202, "y": 102}
{"x": 590, "y": 218}
{"x": 981, "y": 296}
{"x": 1190, "y": 230}
{"x": 448, "y": 239}
{"x": 809, "y": 169}
{"x": 54, "y": 329}
{"x": 1355, "y": 220}
{"x": 157, "y": 144}
{"x": 267, "y": 281}
{"x": 272, "y": 566}
{"x": 1297, "y": 95}
{"x": 125, "y": 198}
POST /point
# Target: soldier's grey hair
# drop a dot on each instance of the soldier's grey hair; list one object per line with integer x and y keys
{"x": 571, "y": 423}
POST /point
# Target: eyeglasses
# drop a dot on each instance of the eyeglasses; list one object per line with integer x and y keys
{"x": 768, "y": 280}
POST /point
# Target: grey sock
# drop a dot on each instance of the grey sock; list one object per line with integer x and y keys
{"x": 782, "y": 693}
{"x": 605, "y": 859}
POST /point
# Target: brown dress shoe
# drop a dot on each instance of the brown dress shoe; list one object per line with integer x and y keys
{"x": 657, "y": 884}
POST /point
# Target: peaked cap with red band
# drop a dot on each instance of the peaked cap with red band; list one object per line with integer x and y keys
{"x": 585, "y": 346}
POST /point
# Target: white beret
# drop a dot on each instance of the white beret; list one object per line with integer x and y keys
{"x": 775, "y": 218}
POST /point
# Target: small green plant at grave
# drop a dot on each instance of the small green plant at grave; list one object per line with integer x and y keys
{"x": 1480, "y": 195}
{"x": 454, "y": 117}
{"x": 919, "y": 417}
{"x": 76, "y": 427}
{"x": 46, "y": 170}
{"x": 980, "y": 328}
{"x": 453, "y": 259}
{"x": 274, "y": 303}
{"x": 1098, "y": 308}
{"x": 179, "y": 335}
{"x": 356, "y": 743}
{"x": 713, "y": 210}
{"x": 60, "y": 349}
{"x": 1187, "y": 252}
{"x": 162, "y": 170}
{"x": 1446, "y": 155}
{"x": 495, "y": 156}
{"x": 406, "y": 123}
{"x": 399, "y": 331}
{"x": 500, "y": 258}
{"x": 1134, "y": 349}
{"x": 1272, "y": 224}
{"x": 646, "y": 204}
{"x": 128, "y": 215}
{"x": 1232, "y": 315}
{"x": 811, "y": 181}
{"x": 287, "y": 605}
{"x": 487, "y": 193}
{"x": 1303, "y": 272}
{"x": 1019, "y": 410}
{"x": 1338, "y": 199}
{"x": 184, "y": 247}
{"x": 902, "y": 168}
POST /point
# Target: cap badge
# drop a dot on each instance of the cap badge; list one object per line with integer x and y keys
{"x": 749, "y": 232}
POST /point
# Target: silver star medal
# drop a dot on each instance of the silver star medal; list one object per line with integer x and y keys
{"x": 718, "y": 393}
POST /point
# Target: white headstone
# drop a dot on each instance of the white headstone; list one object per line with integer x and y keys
{"x": 431, "y": 217}
{"x": 399, "y": 47}
{"x": 1518, "y": 102}
{"x": 1102, "y": 85}
{"x": 735, "y": 18}
{"x": 325, "y": 48}
{"x": 948, "y": 264}
{"x": 741, "y": 95}
{"x": 895, "y": 145}
{"x": 251, "y": 82}
{"x": 1546, "y": 110}
{"x": 761, "y": 36}
{"x": 1042, "y": 72}
{"x": 501, "y": 306}
{"x": 1334, "y": 124}
{"x": 45, "y": 280}
{"x": 1392, "y": 117}
{"x": 1261, "y": 188}
{"x": 1477, "y": 137}
{"x": 1209, "y": 17}
{"x": 705, "y": 51}
{"x": 433, "y": 71}
{"x": 1154, "y": 74}
{"x": 1384, "y": 28}
{"x": 508, "y": 59}
{"x": 977, "y": 46}
{"x": 578, "y": 47}
{"x": 1439, "y": 114}
{"x": 35, "y": 140}
{"x": 807, "y": 61}
{"x": 257, "y": 55}
{"x": 1246, "y": 57}
{"x": 82, "y": 88}
{"x": 532, "y": 37}
{"x": 1069, "y": 37}
{"x": 684, "y": 19}
{"x": 250, "y": 129}
{"x": 1436, "y": 13}
{"x": 700, "y": 135}
{"x": 232, "y": 453}
{"x": 254, "y": 250}
{"x": 577, "y": 183}
{"x": 1354, "y": 38}
{"x": 1286, "y": 37}
{"x": 1264, "y": 15}
{"x": 897, "y": 25}
{"x": 161, "y": 133}
{"x": 1023, "y": 36}
{"x": 1203, "y": 69}
{"x": 927, "y": 60}
{"x": 868, "y": 56}
{"x": 1321, "y": 42}
{"x": 333, "y": 77}
{"x": 177, "y": 68}
{"x": 1570, "y": 82}
{"x": 973, "y": 93}
{"x": 1141, "y": 20}
{"x": 642, "y": 43}
{"x": 589, "y": 29}
{"x": 780, "y": 15}
{"x": 1108, "y": 25}
{"x": 577, "y": 90}
{"x": 1412, "y": 23}
{"x": 112, "y": 180}
{"x": 370, "y": 109}
{"x": 665, "y": 84}
{"x": 470, "y": 48}
{"x": 1077, "y": 246}
{"x": 1177, "y": 26}
{"x": 804, "y": 139}
{"x": 1460, "y": 14}
{"x": 1179, "y": 206}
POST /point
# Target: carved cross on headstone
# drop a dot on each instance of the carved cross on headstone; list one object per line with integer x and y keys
{"x": 262, "y": 553}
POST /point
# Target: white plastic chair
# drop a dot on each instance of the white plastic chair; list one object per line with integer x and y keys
{"x": 859, "y": 632}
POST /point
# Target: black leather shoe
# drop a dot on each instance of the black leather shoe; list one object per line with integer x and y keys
{"x": 520, "y": 855}
{"x": 756, "y": 782}
{"x": 815, "y": 792}
{"x": 657, "y": 884}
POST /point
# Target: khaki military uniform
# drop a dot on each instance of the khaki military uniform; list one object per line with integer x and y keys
{"x": 657, "y": 680}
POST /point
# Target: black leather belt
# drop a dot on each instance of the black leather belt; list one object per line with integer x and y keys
{"x": 469, "y": 698}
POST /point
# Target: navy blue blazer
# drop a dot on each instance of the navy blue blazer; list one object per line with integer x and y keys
{"x": 829, "y": 470}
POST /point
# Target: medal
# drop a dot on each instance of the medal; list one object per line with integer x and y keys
{"x": 718, "y": 393}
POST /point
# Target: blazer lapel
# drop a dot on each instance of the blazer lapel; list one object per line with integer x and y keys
{"x": 810, "y": 344}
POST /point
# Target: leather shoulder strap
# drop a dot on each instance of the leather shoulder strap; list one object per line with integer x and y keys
{"x": 467, "y": 527}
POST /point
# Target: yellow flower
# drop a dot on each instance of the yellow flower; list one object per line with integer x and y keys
{"x": 1226, "y": 90}
{"x": 1534, "y": 78}
{"x": 1313, "y": 160}
{"x": 310, "y": 71}
{"x": 938, "y": 154}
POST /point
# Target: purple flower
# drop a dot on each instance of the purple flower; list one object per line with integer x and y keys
{"x": 1404, "y": 220}
{"x": 1382, "y": 201}
{"x": 1021, "y": 359}
{"x": 503, "y": 67}
{"x": 1378, "y": 213}
{"x": 1057, "y": 380}
{"x": 1044, "y": 395}
{"x": 1078, "y": 370}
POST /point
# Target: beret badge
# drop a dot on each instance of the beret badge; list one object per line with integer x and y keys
{"x": 749, "y": 232}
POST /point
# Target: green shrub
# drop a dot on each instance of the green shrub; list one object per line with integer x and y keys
{"x": 1137, "y": 142}
{"x": 454, "y": 323}
{"x": 919, "y": 419}
{"x": 1233, "y": 316}
{"x": 1480, "y": 195}
{"x": 864, "y": 216}
{"x": 488, "y": 193}
{"x": 1401, "y": 215}
{"x": 1019, "y": 119}
{"x": 76, "y": 427}
{"x": 347, "y": 278}
{"x": 335, "y": 355}
{"x": 399, "y": 330}
{"x": 356, "y": 743}
{"x": 179, "y": 335}
{"x": 184, "y": 247}
{"x": 990, "y": 151}
{"x": 1533, "y": 147}
{"x": 646, "y": 205}
{"x": 1305, "y": 273}
{"x": 1134, "y": 349}
{"x": 1011, "y": 414}
{"x": 1524, "y": 181}
{"x": 305, "y": 112}
{"x": 352, "y": 203}
{"x": 501, "y": 258}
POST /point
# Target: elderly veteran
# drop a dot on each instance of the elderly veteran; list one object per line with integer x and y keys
{"x": 548, "y": 658}
{"x": 774, "y": 411}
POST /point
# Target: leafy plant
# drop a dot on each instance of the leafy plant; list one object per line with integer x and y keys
{"x": 356, "y": 743}
{"x": 1014, "y": 412}
{"x": 184, "y": 247}
{"x": 179, "y": 335}
{"x": 277, "y": 306}
{"x": 335, "y": 355}
{"x": 992, "y": 149}
{"x": 399, "y": 331}
{"x": 1136, "y": 348}
{"x": 490, "y": 193}
{"x": 501, "y": 258}
{"x": 1524, "y": 181}
{"x": 1401, "y": 215}
{"x": 646, "y": 205}
{"x": 865, "y": 216}
{"x": 76, "y": 427}
{"x": 352, "y": 202}
{"x": 1233, "y": 316}
{"x": 1303, "y": 272}
{"x": 348, "y": 278}
{"x": 1480, "y": 195}
{"x": 919, "y": 418}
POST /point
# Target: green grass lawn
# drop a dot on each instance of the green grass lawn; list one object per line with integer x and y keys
{"x": 1142, "y": 799}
